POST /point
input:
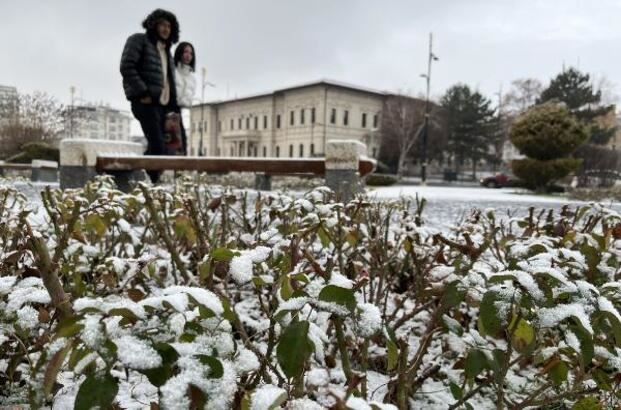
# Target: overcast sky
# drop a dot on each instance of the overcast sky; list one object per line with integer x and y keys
{"x": 251, "y": 46}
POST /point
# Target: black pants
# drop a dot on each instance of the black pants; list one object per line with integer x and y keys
{"x": 151, "y": 118}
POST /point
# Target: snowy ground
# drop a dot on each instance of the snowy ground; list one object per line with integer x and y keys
{"x": 446, "y": 206}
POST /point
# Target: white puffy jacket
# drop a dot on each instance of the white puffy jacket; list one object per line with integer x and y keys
{"x": 186, "y": 85}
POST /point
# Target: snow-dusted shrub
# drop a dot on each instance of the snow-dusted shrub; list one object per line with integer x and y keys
{"x": 228, "y": 299}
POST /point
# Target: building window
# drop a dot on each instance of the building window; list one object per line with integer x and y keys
{"x": 333, "y": 116}
{"x": 219, "y": 126}
{"x": 313, "y": 115}
{"x": 277, "y": 151}
{"x": 290, "y": 150}
{"x": 232, "y": 124}
{"x": 346, "y": 117}
{"x": 364, "y": 120}
{"x": 256, "y": 123}
{"x": 301, "y": 150}
{"x": 205, "y": 126}
{"x": 375, "y": 121}
{"x": 292, "y": 116}
{"x": 248, "y": 123}
{"x": 239, "y": 123}
{"x": 193, "y": 127}
{"x": 265, "y": 122}
{"x": 278, "y": 121}
{"x": 312, "y": 150}
{"x": 264, "y": 151}
{"x": 232, "y": 151}
{"x": 256, "y": 149}
{"x": 302, "y": 116}
{"x": 374, "y": 152}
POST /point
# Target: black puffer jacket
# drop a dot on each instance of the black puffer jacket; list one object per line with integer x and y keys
{"x": 141, "y": 69}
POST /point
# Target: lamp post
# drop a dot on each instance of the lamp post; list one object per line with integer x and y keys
{"x": 72, "y": 91}
{"x": 204, "y": 84}
{"x": 432, "y": 57}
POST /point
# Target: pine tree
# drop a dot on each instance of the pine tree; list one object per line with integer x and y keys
{"x": 575, "y": 90}
{"x": 469, "y": 123}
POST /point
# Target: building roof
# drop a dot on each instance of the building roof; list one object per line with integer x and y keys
{"x": 331, "y": 83}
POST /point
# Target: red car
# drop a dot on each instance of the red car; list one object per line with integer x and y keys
{"x": 496, "y": 181}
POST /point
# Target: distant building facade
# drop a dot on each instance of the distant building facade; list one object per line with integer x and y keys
{"x": 290, "y": 122}
{"x": 8, "y": 101}
{"x": 97, "y": 122}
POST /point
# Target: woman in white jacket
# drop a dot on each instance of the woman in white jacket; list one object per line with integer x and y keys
{"x": 185, "y": 81}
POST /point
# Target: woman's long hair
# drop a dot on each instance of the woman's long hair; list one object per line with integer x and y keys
{"x": 150, "y": 24}
{"x": 179, "y": 54}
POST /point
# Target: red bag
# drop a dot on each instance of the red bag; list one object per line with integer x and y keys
{"x": 172, "y": 134}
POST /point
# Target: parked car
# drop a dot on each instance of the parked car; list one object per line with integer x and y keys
{"x": 497, "y": 180}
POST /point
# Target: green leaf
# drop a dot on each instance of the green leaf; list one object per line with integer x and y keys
{"x": 489, "y": 323}
{"x": 294, "y": 349}
{"x": 286, "y": 290}
{"x": 160, "y": 375}
{"x": 53, "y": 367}
{"x": 95, "y": 224}
{"x": 77, "y": 355}
{"x": 558, "y": 373}
{"x": 523, "y": 336}
{"x": 217, "y": 370}
{"x": 69, "y": 327}
{"x": 392, "y": 353}
{"x": 341, "y": 296}
{"x": 125, "y": 313}
{"x": 323, "y": 237}
{"x": 456, "y": 391}
{"x": 452, "y": 296}
{"x": 474, "y": 364}
{"x": 222, "y": 254}
{"x": 615, "y": 325}
{"x": 96, "y": 392}
{"x": 452, "y": 325}
{"x": 588, "y": 403}
{"x": 602, "y": 379}
{"x": 229, "y": 314}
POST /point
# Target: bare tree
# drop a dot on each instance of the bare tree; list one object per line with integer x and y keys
{"x": 523, "y": 94}
{"x": 403, "y": 121}
{"x": 36, "y": 117}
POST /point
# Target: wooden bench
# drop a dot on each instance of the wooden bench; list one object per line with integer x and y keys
{"x": 342, "y": 167}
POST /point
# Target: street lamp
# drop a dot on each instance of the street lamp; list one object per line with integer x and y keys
{"x": 432, "y": 57}
{"x": 72, "y": 91}
{"x": 204, "y": 84}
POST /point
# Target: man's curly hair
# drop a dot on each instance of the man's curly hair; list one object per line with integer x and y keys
{"x": 150, "y": 24}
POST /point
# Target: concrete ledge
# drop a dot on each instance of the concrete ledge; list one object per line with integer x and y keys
{"x": 44, "y": 171}
{"x": 344, "y": 154}
{"x": 78, "y": 158}
{"x": 84, "y": 152}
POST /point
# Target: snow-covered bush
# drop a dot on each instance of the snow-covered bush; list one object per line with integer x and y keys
{"x": 215, "y": 298}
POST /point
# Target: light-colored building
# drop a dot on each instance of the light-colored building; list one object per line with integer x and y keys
{"x": 8, "y": 101}
{"x": 290, "y": 122}
{"x": 97, "y": 122}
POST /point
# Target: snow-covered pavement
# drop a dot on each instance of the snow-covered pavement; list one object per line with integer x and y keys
{"x": 446, "y": 206}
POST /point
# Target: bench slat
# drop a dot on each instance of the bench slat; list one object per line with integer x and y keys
{"x": 271, "y": 166}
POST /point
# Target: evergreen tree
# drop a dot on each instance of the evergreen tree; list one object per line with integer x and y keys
{"x": 469, "y": 125}
{"x": 575, "y": 90}
{"x": 547, "y": 134}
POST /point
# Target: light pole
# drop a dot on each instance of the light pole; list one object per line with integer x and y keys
{"x": 432, "y": 57}
{"x": 204, "y": 84}
{"x": 72, "y": 91}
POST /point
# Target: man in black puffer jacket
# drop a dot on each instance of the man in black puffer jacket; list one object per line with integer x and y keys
{"x": 149, "y": 78}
